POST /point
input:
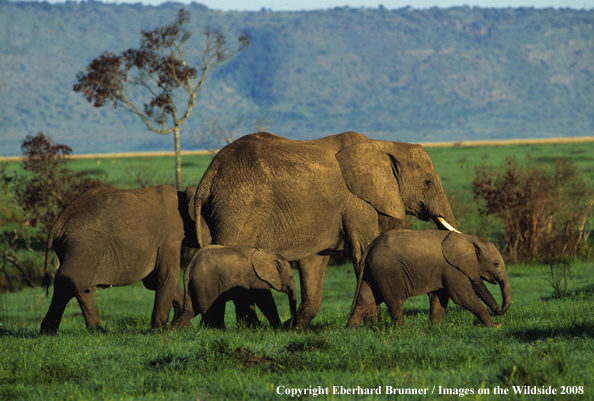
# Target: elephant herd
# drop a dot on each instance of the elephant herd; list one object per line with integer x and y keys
{"x": 264, "y": 201}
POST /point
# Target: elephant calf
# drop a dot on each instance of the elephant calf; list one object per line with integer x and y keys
{"x": 400, "y": 264}
{"x": 217, "y": 274}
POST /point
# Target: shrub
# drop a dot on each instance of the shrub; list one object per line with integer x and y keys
{"x": 560, "y": 275}
{"x": 545, "y": 212}
{"x": 31, "y": 201}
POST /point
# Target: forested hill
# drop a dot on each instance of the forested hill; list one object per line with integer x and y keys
{"x": 405, "y": 74}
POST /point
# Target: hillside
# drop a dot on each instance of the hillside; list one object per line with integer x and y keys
{"x": 406, "y": 74}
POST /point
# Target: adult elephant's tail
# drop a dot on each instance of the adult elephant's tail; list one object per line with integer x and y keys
{"x": 47, "y": 277}
{"x": 203, "y": 193}
{"x": 359, "y": 272}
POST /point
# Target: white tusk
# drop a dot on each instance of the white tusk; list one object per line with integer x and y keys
{"x": 447, "y": 225}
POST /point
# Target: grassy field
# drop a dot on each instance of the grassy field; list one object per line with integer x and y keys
{"x": 455, "y": 165}
{"x": 543, "y": 341}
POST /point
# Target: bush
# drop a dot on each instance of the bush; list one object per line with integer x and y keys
{"x": 545, "y": 212}
{"x": 31, "y": 202}
{"x": 560, "y": 275}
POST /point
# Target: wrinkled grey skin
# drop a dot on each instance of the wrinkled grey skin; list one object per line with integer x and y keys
{"x": 305, "y": 199}
{"x": 112, "y": 237}
{"x": 400, "y": 264}
{"x": 217, "y": 274}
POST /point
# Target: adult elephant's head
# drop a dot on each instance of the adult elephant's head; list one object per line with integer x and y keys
{"x": 396, "y": 179}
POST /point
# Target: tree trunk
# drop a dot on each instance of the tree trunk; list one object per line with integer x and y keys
{"x": 178, "y": 178}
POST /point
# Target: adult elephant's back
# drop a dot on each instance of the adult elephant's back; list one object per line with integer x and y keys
{"x": 278, "y": 194}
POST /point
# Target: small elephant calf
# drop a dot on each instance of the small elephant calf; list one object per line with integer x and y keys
{"x": 217, "y": 274}
{"x": 400, "y": 264}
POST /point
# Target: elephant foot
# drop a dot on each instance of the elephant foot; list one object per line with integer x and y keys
{"x": 293, "y": 323}
{"x": 48, "y": 330}
{"x": 352, "y": 325}
{"x": 95, "y": 327}
{"x": 98, "y": 329}
{"x": 180, "y": 325}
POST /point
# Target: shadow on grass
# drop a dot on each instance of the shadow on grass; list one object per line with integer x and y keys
{"x": 19, "y": 333}
{"x": 569, "y": 331}
{"x": 582, "y": 293}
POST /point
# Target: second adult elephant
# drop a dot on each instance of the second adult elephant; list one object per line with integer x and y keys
{"x": 305, "y": 199}
{"x": 112, "y": 237}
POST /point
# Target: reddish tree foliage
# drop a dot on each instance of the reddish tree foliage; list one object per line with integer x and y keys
{"x": 49, "y": 185}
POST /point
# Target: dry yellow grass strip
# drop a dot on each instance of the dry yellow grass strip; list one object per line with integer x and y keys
{"x": 536, "y": 141}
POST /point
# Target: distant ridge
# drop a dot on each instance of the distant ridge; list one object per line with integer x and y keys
{"x": 414, "y": 75}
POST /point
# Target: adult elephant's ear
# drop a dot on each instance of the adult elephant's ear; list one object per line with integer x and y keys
{"x": 266, "y": 268}
{"x": 370, "y": 173}
{"x": 462, "y": 254}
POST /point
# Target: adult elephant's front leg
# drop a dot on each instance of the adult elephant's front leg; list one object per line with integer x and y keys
{"x": 312, "y": 271}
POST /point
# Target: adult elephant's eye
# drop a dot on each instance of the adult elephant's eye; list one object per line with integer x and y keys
{"x": 427, "y": 183}
{"x": 496, "y": 264}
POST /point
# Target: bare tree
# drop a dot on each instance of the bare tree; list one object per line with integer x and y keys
{"x": 158, "y": 67}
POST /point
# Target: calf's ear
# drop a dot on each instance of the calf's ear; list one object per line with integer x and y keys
{"x": 266, "y": 268}
{"x": 461, "y": 253}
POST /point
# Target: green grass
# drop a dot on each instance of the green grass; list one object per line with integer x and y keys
{"x": 542, "y": 342}
{"x": 124, "y": 172}
{"x": 456, "y": 166}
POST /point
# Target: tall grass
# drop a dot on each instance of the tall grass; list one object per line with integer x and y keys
{"x": 543, "y": 341}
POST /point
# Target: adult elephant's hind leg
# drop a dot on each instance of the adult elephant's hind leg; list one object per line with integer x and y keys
{"x": 364, "y": 303}
{"x": 167, "y": 271}
{"x": 86, "y": 300}
{"x": 63, "y": 292}
{"x": 312, "y": 271}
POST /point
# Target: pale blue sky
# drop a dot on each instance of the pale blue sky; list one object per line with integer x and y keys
{"x": 296, "y": 5}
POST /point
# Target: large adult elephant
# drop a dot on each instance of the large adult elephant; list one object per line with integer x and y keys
{"x": 114, "y": 237}
{"x": 304, "y": 199}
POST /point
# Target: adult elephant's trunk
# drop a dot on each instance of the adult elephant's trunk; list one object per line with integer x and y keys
{"x": 442, "y": 214}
